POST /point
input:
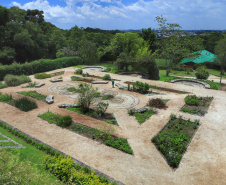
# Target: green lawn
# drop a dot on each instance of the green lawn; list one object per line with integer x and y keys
{"x": 30, "y": 153}
{"x": 34, "y": 94}
{"x": 142, "y": 117}
{"x": 215, "y": 72}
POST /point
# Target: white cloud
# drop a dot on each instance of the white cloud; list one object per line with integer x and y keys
{"x": 114, "y": 14}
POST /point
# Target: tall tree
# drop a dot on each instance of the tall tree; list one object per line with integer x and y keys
{"x": 220, "y": 50}
{"x": 149, "y": 36}
{"x": 173, "y": 45}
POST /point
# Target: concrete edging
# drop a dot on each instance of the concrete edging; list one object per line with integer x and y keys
{"x": 207, "y": 86}
{"x": 144, "y": 75}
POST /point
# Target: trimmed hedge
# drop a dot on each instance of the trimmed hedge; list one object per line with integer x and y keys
{"x": 38, "y": 66}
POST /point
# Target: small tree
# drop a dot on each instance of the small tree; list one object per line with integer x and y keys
{"x": 86, "y": 95}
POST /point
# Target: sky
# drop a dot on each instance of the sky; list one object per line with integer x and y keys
{"x": 128, "y": 14}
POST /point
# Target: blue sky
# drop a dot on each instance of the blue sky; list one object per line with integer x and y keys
{"x": 128, "y": 14}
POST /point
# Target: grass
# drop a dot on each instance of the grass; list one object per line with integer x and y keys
{"x": 106, "y": 138}
{"x": 2, "y": 138}
{"x": 34, "y": 94}
{"x": 142, "y": 117}
{"x": 107, "y": 97}
{"x": 6, "y": 98}
{"x": 7, "y": 143}
{"x": 216, "y": 72}
{"x": 31, "y": 154}
{"x": 107, "y": 117}
{"x": 174, "y": 139}
{"x": 2, "y": 85}
{"x": 76, "y": 78}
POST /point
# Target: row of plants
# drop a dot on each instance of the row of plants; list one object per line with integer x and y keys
{"x": 23, "y": 103}
{"x": 57, "y": 164}
{"x": 14, "y": 80}
{"x": 38, "y": 66}
{"x": 172, "y": 141}
{"x": 45, "y": 75}
{"x": 196, "y": 105}
{"x": 34, "y": 94}
{"x": 142, "y": 117}
{"x": 104, "y": 136}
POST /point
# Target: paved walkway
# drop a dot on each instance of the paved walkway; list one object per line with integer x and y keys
{"x": 203, "y": 163}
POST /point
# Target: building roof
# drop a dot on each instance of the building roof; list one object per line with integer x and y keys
{"x": 204, "y": 56}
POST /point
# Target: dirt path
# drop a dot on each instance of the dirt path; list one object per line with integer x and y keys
{"x": 203, "y": 163}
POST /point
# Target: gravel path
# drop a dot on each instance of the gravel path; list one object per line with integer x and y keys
{"x": 203, "y": 163}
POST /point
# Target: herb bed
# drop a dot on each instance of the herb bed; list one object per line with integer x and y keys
{"x": 174, "y": 139}
{"x": 34, "y": 94}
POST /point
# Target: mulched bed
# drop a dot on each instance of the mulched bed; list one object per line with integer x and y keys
{"x": 201, "y": 109}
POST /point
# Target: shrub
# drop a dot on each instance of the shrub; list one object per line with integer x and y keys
{"x": 173, "y": 116}
{"x": 131, "y": 111}
{"x": 64, "y": 121}
{"x": 201, "y": 73}
{"x": 157, "y": 102}
{"x": 42, "y": 76}
{"x": 140, "y": 87}
{"x": 5, "y": 97}
{"x": 38, "y": 66}
{"x": 13, "y": 80}
{"x": 108, "y": 69}
{"x": 101, "y": 107}
{"x": 191, "y": 100}
{"x": 106, "y": 77}
{"x": 25, "y": 104}
{"x": 79, "y": 71}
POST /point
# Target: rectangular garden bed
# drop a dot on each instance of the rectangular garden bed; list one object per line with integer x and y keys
{"x": 173, "y": 140}
{"x": 200, "y": 109}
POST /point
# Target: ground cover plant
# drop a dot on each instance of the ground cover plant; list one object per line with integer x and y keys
{"x": 14, "y": 80}
{"x": 35, "y": 152}
{"x": 103, "y": 116}
{"x": 142, "y": 117}
{"x": 23, "y": 104}
{"x": 30, "y": 85}
{"x": 140, "y": 87}
{"x": 104, "y": 137}
{"x": 196, "y": 105}
{"x": 78, "y": 71}
{"x": 7, "y": 144}
{"x": 42, "y": 75}
{"x": 34, "y": 94}
{"x": 174, "y": 139}
{"x": 2, "y": 85}
{"x": 76, "y": 78}
{"x": 62, "y": 121}
{"x": 106, "y": 77}
{"x": 107, "y": 97}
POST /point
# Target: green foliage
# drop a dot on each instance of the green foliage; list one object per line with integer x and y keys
{"x": 191, "y": 111}
{"x": 6, "y": 98}
{"x": 2, "y": 85}
{"x": 30, "y": 85}
{"x": 108, "y": 69}
{"x": 34, "y": 94}
{"x": 13, "y": 80}
{"x": 76, "y": 78}
{"x": 201, "y": 73}
{"x": 142, "y": 117}
{"x": 42, "y": 75}
{"x": 106, "y": 77}
{"x": 87, "y": 94}
{"x": 103, "y": 136}
{"x": 131, "y": 111}
{"x": 107, "y": 97}
{"x": 101, "y": 108}
{"x": 140, "y": 87}
{"x": 173, "y": 140}
{"x": 79, "y": 71}
{"x": 13, "y": 171}
{"x": 38, "y": 66}
{"x": 191, "y": 100}
{"x": 25, "y": 104}
{"x": 62, "y": 121}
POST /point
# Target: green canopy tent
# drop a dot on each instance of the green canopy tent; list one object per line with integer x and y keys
{"x": 204, "y": 56}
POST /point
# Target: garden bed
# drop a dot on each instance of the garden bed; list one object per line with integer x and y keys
{"x": 142, "y": 117}
{"x": 107, "y": 117}
{"x": 173, "y": 140}
{"x": 200, "y": 109}
{"x": 34, "y": 94}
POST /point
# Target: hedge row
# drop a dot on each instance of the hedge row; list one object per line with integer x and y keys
{"x": 38, "y": 66}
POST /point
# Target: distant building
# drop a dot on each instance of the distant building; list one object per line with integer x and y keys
{"x": 202, "y": 57}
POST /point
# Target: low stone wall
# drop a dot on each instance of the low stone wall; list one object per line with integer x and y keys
{"x": 144, "y": 75}
{"x": 205, "y": 85}
{"x": 95, "y": 67}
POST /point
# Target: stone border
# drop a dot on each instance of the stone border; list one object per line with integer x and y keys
{"x": 102, "y": 69}
{"x": 75, "y": 160}
{"x": 10, "y": 140}
{"x": 144, "y": 75}
{"x": 207, "y": 86}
